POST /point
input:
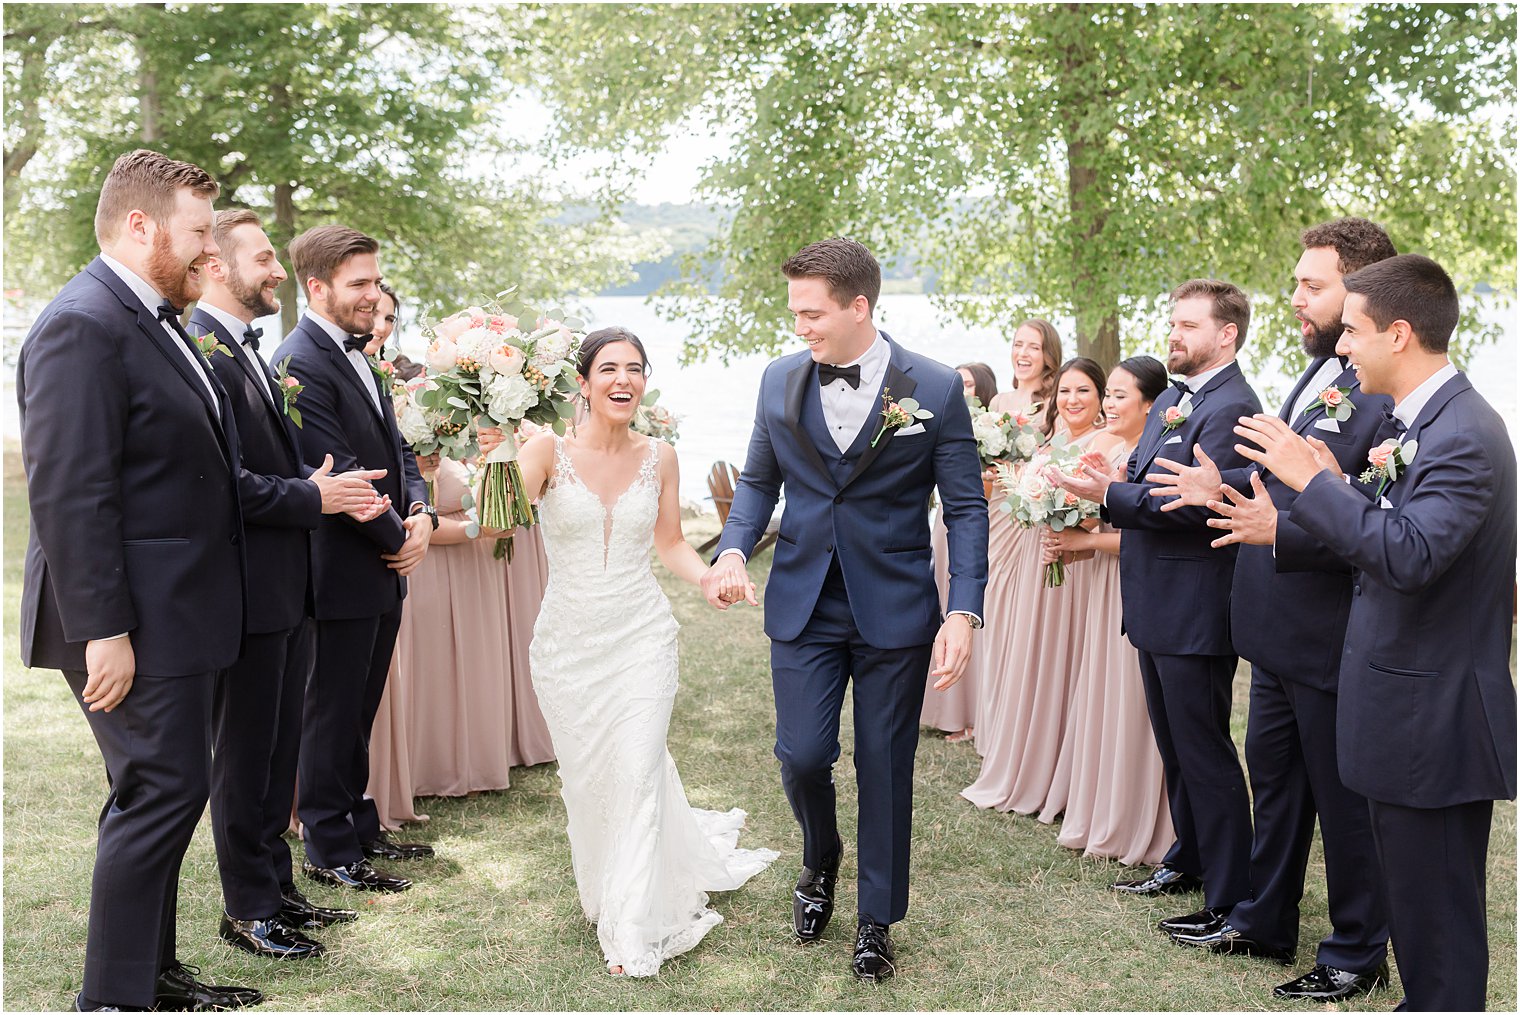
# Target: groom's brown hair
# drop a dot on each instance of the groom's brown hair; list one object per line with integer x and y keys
{"x": 147, "y": 181}
{"x": 319, "y": 252}
{"x": 847, "y": 266}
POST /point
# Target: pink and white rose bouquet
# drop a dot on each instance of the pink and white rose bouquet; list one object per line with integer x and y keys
{"x": 1004, "y": 436}
{"x": 654, "y": 420}
{"x": 1033, "y": 500}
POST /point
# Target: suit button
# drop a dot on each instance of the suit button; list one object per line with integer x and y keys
{"x": 234, "y": 539}
{"x": 839, "y": 499}
{"x": 828, "y": 549}
{"x": 1356, "y": 590}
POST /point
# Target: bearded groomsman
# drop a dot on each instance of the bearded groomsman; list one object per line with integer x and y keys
{"x": 1288, "y": 611}
{"x": 134, "y": 566}
{"x": 1176, "y": 595}
{"x": 256, "y": 712}
{"x": 358, "y": 568}
{"x": 1426, "y": 724}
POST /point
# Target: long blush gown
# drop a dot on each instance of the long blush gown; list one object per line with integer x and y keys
{"x": 606, "y": 669}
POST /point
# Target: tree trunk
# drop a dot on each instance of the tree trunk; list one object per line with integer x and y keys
{"x": 285, "y": 231}
{"x": 149, "y": 101}
{"x": 33, "y": 81}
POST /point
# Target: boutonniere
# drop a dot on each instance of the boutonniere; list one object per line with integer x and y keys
{"x": 382, "y": 368}
{"x": 208, "y": 344}
{"x": 1175, "y": 416}
{"x": 896, "y": 414}
{"x": 1387, "y": 459}
{"x": 289, "y": 389}
{"x": 1336, "y": 402}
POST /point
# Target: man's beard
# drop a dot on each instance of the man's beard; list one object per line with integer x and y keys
{"x": 347, "y": 319}
{"x": 251, "y": 298}
{"x": 1321, "y": 341}
{"x": 1186, "y": 367}
{"x": 170, "y": 275}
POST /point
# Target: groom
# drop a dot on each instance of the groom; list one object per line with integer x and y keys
{"x": 852, "y": 589}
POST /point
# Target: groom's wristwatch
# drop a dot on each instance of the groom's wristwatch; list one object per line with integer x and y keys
{"x": 426, "y": 509}
{"x": 971, "y": 618}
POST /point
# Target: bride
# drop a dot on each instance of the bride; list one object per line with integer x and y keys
{"x": 605, "y": 670}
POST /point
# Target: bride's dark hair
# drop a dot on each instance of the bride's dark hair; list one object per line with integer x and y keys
{"x": 603, "y": 337}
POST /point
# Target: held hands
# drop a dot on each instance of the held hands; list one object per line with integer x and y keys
{"x": 727, "y": 582}
{"x": 1248, "y": 519}
{"x": 419, "y": 533}
{"x": 1284, "y": 453}
{"x": 952, "y": 651}
{"x": 349, "y": 493}
{"x": 1067, "y": 545}
{"x": 111, "y": 666}
{"x": 1187, "y": 485}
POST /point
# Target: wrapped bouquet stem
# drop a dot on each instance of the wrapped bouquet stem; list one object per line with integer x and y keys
{"x": 504, "y": 501}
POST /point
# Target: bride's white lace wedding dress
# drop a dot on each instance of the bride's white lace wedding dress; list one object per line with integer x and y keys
{"x": 605, "y": 668}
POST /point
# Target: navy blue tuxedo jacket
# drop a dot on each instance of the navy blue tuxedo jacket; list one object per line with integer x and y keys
{"x": 280, "y": 506}
{"x": 1427, "y": 703}
{"x": 870, "y": 505}
{"x": 1289, "y": 604}
{"x": 1175, "y": 587}
{"x": 339, "y": 418}
{"x": 132, "y": 480}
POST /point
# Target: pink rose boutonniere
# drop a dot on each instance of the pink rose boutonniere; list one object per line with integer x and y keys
{"x": 289, "y": 389}
{"x": 895, "y": 414}
{"x": 208, "y": 344}
{"x": 1387, "y": 460}
{"x": 1336, "y": 402}
{"x": 1174, "y": 417}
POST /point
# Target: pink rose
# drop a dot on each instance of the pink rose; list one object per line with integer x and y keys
{"x": 1331, "y": 397}
{"x": 507, "y": 360}
{"x": 500, "y": 323}
{"x": 1071, "y": 499}
{"x": 1021, "y": 419}
{"x": 386, "y": 366}
{"x": 1379, "y": 455}
{"x": 1173, "y": 415}
{"x": 451, "y": 327}
{"x": 442, "y": 355}
{"x": 291, "y": 382}
{"x": 477, "y": 316}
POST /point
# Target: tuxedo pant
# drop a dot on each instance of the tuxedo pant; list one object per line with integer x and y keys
{"x": 343, "y": 694}
{"x": 1290, "y": 757}
{"x": 810, "y": 674}
{"x": 255, "y": 741}
{"x": 156, "y": 745}
{"x": 1189, "y": 702}
{"x": 1435, "y": 871}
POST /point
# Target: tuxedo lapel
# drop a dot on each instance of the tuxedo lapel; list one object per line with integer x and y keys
{"x": 1150, "y": 440}
{"x": 797, "y": 382}
{"x": 1346, "y": 379}
{"x": 344, "y": 368}
{"x": 900, "y": 384}
{"x": 1298, "y": 389}
{"x": 257, "y": 371}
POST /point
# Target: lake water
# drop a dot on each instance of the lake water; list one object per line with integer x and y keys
{"x": 716, "y": 401}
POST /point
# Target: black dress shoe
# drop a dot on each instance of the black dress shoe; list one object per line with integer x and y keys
{"x": 80, "y": 1004}
{"x": 1205, "y": 921}
{"x": 1326, "y": 983}
{"x": 357, "y": 875}
{"x": 1161, "y": 881}
{"x": 1229, "y": 941}
{"x": 297, "y": 911}
{"x": 382, "y": 848}
{"x": 270, "y": 938}
{"x": 179, "y": 990}
{"x": 813, "y": 898}
{"x": 873, "y": 960}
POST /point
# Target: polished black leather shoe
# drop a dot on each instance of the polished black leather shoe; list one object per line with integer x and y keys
{"x": 1161, "y": 881}
{"x": 79, "y": 1005}
{"x": 179, "y": 990}
{"x": 357, "y": 875}
{"x": 1229, "y": 941}
{"x": 873, "y": 960}
{"x": 270, "y": 938}
{"x": 1326, "y": 983}
{"x": 382, "y": 848}
{"x": 1205, "y": 921}
{"x": 299, "y": 912}
{"x": 813, "y": 898}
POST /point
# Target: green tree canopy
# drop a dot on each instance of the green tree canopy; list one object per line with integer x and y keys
{"x": 1073, "y": 160}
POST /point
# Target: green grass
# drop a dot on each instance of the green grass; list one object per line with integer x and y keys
{"x": 1002, "y": 917}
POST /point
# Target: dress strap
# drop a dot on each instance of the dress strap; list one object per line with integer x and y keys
{"x": 563, "y": 467}
{"x": 649, "y": 472}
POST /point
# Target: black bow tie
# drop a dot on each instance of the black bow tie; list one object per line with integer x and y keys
{"x": 1181, "y": 385}
{"x": 1389, "y": 419}
{"x": 353, "y": 342}
{"x": 251, "y": 337}
{"x": 169, "y": 312}
{"x": 828, "y": 374}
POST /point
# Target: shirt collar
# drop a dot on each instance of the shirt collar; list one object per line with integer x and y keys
{"x": 334, "y": 332}
{"x": 869, "y": 360}
{"x": 234, "y": 327}
{"x": 1408, "y": 410}
{"x": 1196, "y": 382}
{"x": 141, "y": 287}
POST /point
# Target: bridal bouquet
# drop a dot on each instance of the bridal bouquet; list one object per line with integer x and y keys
{"x": 654, "y": 420}
{"x": 1004, "y": 436}
{"x": 1034, "y": 500}
{"x": 490, "y": 367}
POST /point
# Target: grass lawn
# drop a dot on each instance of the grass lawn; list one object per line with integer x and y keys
{"x": 1002, "y": 917}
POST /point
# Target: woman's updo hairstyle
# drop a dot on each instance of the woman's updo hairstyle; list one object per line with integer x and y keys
{"x": 602, "y": 337}
{"x": 1149, "y": 375}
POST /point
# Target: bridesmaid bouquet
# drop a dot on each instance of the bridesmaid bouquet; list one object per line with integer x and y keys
{"x": 1033, "y": 500}
{"x": 487, "y": 366}
{"x": 654, "y": 420}
{"x": 1004, "y": 436}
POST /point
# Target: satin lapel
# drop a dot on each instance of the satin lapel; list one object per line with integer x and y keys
{"x": 797, "y": 380}
{"x": 901, "y": 386}
{"x": 259, "y": 375}
{"x": 345, "y": 369}
{"x": 1346, "y": 379}
{"x": 1150, "y": 441}
{"x": 1298, "y": 389}
{"x": 1432, "y": 408}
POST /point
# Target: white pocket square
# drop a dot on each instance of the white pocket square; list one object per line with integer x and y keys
{"x": 908, "y": 431}
{"x": 1384, "y": 503}
{"x": 1326, "y": 423}
{"x": 1172, "y": 440}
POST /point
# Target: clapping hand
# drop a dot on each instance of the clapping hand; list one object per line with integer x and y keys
{"x": 1186, "y": 485}
{"x": 1249, "y": 519}
{"x": 351, "y": 493}
{"x": 1283, "y": 452}
{"x": 1091, "y": 483}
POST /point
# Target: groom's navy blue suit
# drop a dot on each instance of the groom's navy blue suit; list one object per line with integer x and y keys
{"x": 1288, "y": 610}
{"x": 1426, "y": 725}
{"x": 132, "y": 476}
{"x": 851, "y": 594}
{"x": 1176, "y": 594}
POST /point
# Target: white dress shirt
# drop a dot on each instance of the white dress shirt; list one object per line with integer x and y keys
{"x": 355, "y": 357}
{"x": 151, "y": 299}
{"x": 846, "y": 409}
{"x": 235, "y": 328}
{"x": 1408, "y": 410}
{"x": 1328, "y": 371}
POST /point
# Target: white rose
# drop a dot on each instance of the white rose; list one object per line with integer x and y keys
{"x": 552, "y": 348}
{"x": 508, "y": 396}
{"x": 1025, "y": 444}
{"x": 413, "y": 423}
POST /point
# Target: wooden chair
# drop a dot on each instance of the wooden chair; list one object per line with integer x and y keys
{"x": 721, "y": 482}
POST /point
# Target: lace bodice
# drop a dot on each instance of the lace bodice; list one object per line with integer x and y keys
{"x": 583, "y": 536}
